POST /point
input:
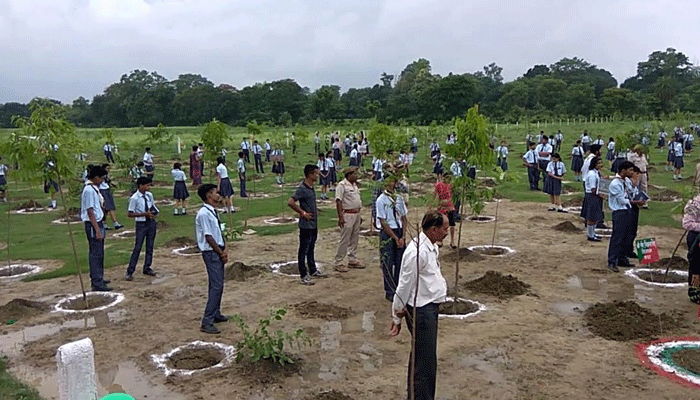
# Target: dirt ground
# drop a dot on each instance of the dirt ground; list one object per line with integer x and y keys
{"x": 533, "y": 346}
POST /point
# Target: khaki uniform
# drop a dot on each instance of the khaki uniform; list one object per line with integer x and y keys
{"x": 641, "y": 163}
{"x": 349, "y": 196}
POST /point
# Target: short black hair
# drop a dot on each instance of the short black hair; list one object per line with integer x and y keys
{"x": 195, "y": 147}
{"x": 148, "y": 149}
{"x": 177, "y": 165}
{"x": 432, "y": 218}
{"x": 557, "y": 156}
{"x": 625, "y": 165}
{"x": 240, "y": 154}
{"x": 220, "y": 160}
{"x": 105, "y": 165}
{"x": 139, "y": 164}
{"x": 96, "y": 171}
{"x": 202, "y": 190}
{"x": 309, "y": 169}
{"x": 143, "y": 181}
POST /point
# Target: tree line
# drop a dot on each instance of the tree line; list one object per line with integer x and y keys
{"x": 665, "y": 84}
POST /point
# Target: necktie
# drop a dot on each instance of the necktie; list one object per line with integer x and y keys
{"x": 145, "y": 205}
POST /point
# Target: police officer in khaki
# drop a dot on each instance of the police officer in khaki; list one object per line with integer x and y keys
{"x": 348, "y": 205}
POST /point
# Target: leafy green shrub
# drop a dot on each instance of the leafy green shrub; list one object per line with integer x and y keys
{"x": 262, "y": 345}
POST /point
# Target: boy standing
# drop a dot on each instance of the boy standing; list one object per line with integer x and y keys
{"x": 308, "y": 224}
{"x": 240, "y": 165}
{"x": 143, "y": 209}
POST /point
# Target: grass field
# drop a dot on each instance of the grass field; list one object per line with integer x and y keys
{"x": 35, "y": 237}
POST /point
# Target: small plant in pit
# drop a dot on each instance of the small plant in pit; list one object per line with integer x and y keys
{"x": 261, "y": 344}
{"x": 232, "y": 234}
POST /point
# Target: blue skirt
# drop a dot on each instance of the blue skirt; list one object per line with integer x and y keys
{"x": 586, "y": 146}
{"x": 180, "y": 190}
{"x": 678, "y": 162}
{"x": 226, "y": 190}
{"x": 671, "y": 155}
{"x": 278, "y": 168}
{"x": 577, "y": 163}
{"x": 688, "y": 145}
{"x": 610, "y": 155}
{"x": 552, "y": 186}
{"x": 662, "y": 142}
{"x": 592, "y": 208}
{"x": 109, "y": 199}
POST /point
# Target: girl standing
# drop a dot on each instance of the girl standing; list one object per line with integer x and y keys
{"x": 195, "y": 167}
{"x": 331, "y": 168}
{"x": 224, "y": 183}
{"x": 671, "y": 157}
{"x": 180, "y": 193}
{"x": 106, "y": 193}
{"x": 577, "y": 160}
{"x": 278, "y": 164}
{"x": 552, "y": 183}
{"x": 593, "y": 202}
{"x": 610, "y": 155}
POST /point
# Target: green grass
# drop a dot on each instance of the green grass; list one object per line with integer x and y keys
{"x": 12, "y": 389}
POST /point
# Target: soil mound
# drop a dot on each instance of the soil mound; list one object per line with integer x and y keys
{"x": 239, "y": 272}
{"x": 265, "y": 371}
{"x": 29, "y": 205}
{"x": 665, "y": 195}
{"x": 496, "y": 284}
{"x": 674, "y": 262}
{"x": 331, "y": 395}
{"x": 464, "y": 254}
{"x": 193, "y": 359}
{"x": 21, "y": 309}
{"x": 688, "y": 359}
{"x": 481, "y": 218}
{"x": 180, "y": 242}
{"x": 490, "y": 250}
{"x": 161, "y": 225}
{"x": 93, "y": 302}
{"x": 190, "y": 250}
{"x": 314, "y": 309}
{"x": 566, "y": 226}
{"x": 661, "y": 277}
{"x": 457, "y": 307}
{"x": 626, "y": 320}
{"x": 575, "y": 202}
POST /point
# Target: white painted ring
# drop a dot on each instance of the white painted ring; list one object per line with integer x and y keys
{"x": 654, "y": 353}
{"x": 35, "y": 210}
{"x": 463, "y": 316}
{"x": 508, "y": 250}
{"x": 160, "y": 360}
{"x": 116, "y": 299}
{"x": 121, "y": 234}
{"x": 34, "y": 269}
{"x": 603, "y": 232}
{"x": 271, "y": 222}
{"x": 576, "y": 209}
{"x": 62, "y": 221}
{"x": 179, "y": 251}
{"x": 490, "y": 218}
{"x": 634, "y": 271}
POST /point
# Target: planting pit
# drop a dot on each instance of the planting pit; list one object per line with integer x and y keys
{"x": 96, "y": 301}
{"x": 18, "y": 271}
{"x": 566, "y": 226}
{"x": 281, "y": 221}
{"x": 626, "y": 320}
{"x": 289, "y": 268}
{"x": 676, "y": 359}
{"x": 575, "y": 202}
{"x": 369, "y": 233}
{"x": 187, "y": 251}
{"x": 458, "y": 308}
{"x": 165, "y": 202}
{"x": 482, "y": 218}
{"x": 329, "y": 395}
{"x": 496, "y": 284}
{"x": 29, "y": 207}
{"x": 492, "y": 251}
{"x": 180, "y": 242}
{"x": 17, "y": 309}
{"x": 655, "y": 276}
{"x": 674, "y": 262}
{"x": 194, "y": 357}
{"x": 329, "y": 312}
{"x": 125, "y": 234}
{"x": 665, "y": 195}
{"x": 464, "y": 254}
{"x": 573, "y": 210}
{"x": 239, "y": 272}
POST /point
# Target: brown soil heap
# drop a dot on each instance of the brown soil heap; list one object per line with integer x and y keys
{"x": 161, "y": 225}
{"x": 21, "y": 309}
{"x": 495, "y": 284}
{"x": 688, "y": 358}
{"x": 198, "y": 358}
{"x": 575, "y": 202}
{"x": 190, "y": 250}
{"x": 180, "y": 242}
{"x": 329, "y": 312}
{"x": 674, "y": 262}
{"x": 239, "y": 272}
{"x": 665, "y": 195}
{"x": 566, "y": 226}
{"x": 480, "y": 218}
{"x": 93, "y": 301}
{"x": 265, "y": 371}
{"x": 289, "y": 269}
{"x": 20, "y": 269}
{"x": 464, "y": 254}
{"x": 661, "y": 277}
{"x": 331, "y": 395}
{"x": 457, "y": 307}
{"x": 626, "y": 320}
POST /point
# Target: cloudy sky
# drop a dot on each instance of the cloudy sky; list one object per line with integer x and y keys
{"x": 68, "y": 48}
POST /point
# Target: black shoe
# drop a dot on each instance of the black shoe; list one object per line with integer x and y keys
{"x": 625, "y": 264}
{"x": 107, "y": 228}
{"x": 601, "y": 226}
{"x": 613, "y": 268}
{"x": 118, "y": 227}
{"x": 594, "y": 239}
{"x": 103, "y": 288}
{"x": 210, "y": 329}
{"x": 149, "y": 272}
{"x": 129, "y": 277}
{"x": 389, "y": 297}
{"x": 106, "y": 281}
{"x": 221, "y": 318}
{"x": 631, "y": 255}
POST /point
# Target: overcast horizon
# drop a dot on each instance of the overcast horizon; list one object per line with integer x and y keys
{"x": 63, "y": 49}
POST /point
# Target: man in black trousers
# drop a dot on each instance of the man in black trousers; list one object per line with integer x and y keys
{"x": 143, "y": 209}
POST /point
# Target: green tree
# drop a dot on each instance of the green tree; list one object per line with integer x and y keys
{"x": 214, "y": 135}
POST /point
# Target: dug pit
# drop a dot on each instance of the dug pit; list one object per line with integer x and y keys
{"x": 575, "y": 202}
{"x": 464, "y": 254}
{"x": 18, "y": 271}
{"x": 658, "y": 277}
{"x": 180, "y": 241}
{"x": 281, "y": 221}
{"x": 492, "y": 251}
{"x": 187, "y": 251}
{"x": 498, "y": 285}
{"x": 677, "y": 359}
{"x": 95, "y": 301}
{"x": 626, "y": 320}
{"x": 20, "y": 309}
{"x": 674, "y": 262}
{"x": 459, "y": 308}
{"x": 688, "y": 358}
{"x": 194, "y": 357}
{"x": 481, "y": 218}
{"x": 329, "y": 312}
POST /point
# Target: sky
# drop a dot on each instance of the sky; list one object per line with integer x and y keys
{"x": 63, "y": 49}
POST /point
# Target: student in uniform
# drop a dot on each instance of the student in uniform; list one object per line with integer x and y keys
{"x": 502, "y": 156}
{"x": 143, "y": 209}
{"x": 108, "y": 152}
{"x": 354, "y": 154}
{"x": 577, "y": 160}
{"x": 552, "y": 182}
{"x": 661, "y": 140}
{"x": 210, "y": 241}
{"x": 324, "y": 178}
{"x": 148, "y": 162}
{"x": 560, "y": 138}
{"x": 610, "y": 155}
{"x": 377, "y": 169}
{"x": 671, "y": 156}
{"x": 544, "y": 156}
{"x": 599, "y": 141}
{"x": 51, "y": 187}
{"x": 585, "y": 141}
{"x": 268, "y": 150}
{"x": 257, "y": 154}
{"x": 294, "y": 143}
{"x": 106, "y": 193}
{"x": 331, "y": 169}
{"x": 245, "y": 148}
{"x": 180, "y": 193}
{"x": 414, "y": 144}
{"x": 3, "y": 181}
{"x": 592, "y": 208}
{"x": 438, "y": 168}
{"x": 530, "y": 160}
{"x": 688, "y": 142}
{"x": 224, "y": 184}
{"x": 92, "y": 215}
{"x": 278, "y": 164}
{"x": 620, "y": 202}
{"x": 337, "y": 154}
{"x": 677, "y": 159}
{"x": 391, "y": 220}
{"x": 317, "y": 143}
{"x": 240, "y": 166}
{"x": 434, "y": 149}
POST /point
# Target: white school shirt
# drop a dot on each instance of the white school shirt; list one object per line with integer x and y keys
{"x": 317, "y": 139}
{"x": 336, "y": 145}
{"x": 322, "y": 165}
{"x": 103, "y": 186}
{"x": 585, "y": 139}
{"x": 432, "y": 287}
{"x": 178, "y": 175}
{"x": 148, "y": 159}
{"x": 663, "y": 134}
{"x": 618, "y": 195}
{"x": 244, "y": 145}
{"x": 558, "y": 165}
{"x": 3, "y": 169}
{"x": 241, "y": 166}
{"x": 353, "y": 153}
{"x": 222, "y": 171}
{"x": 502, "y": 152}
{"x": 544, "y": 148}
{"x": 592, "y": 180}
{"x": 456, "y": 169}
{"x": 108, "y": 147}
{"x": 385, "y": 210}
{"x": 414, "y": 140}
{"x": 530, "y": 157}
{"x": 91, "y": 198}
{"x": 403, "y": 158}
{"x": 577, "y": 151}
{"x": 377, "y": 164}
{"x": 678, "y": 149}
{"x": 600, "y": 142}
{"x": 587, "y": 164}
{"x": 207, "y": 223}
{"x": 267, "y": 146}
{"x": 559, "y": 137}
{"x": 257, "y": 149}
{"x": 137, "y": 205}
{"x": 277, "y": 152}
{"x": 223, "y": 152}
{"x": 330, "y": 162}
{"x": 611, "y": 146}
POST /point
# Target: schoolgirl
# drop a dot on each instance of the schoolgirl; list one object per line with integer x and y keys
{"x": 688, "y": 142}
{"x": 278, "y": 164}
{"x": 502, "y": 156}
{"x": 324, "y": 178}
{"x": 180, "y": 193}
{"x": 224, "y": 184}
{"x": 677, "y": 159}
{"x": 148, "y": 162}
{"x": 552, "y": 182}
{"x": 592, "y": 210}
{"x": 610, "y": 155}
{"x": 331, "y": 168}
{"x": 438, "y": 168}
{"x": 337, "y": 155}
{"x": 671, "y": 156}
{"x": 354, "y": 156}
{"x": 577, "y": 160}
{"x": 106, "y": 193}
{"x": 662, "y": 139}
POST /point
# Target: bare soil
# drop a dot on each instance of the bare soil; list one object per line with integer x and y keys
{"x": 15, "y": 270}
{"x": 194, "y": 359}
{"x": 575, "y": 202}
{"x": 265, "y": 371}
{"x": 180, "y": 242}
{"x": 282, "y": 220}
{"x": 330, "y": 395}
{"x": 22, "y": 309}
{"x": 464, "y": 254}
{"x": 479, "y": 218}
{"x": 566, "y": 226}
{"x": 688, "y": 359}
{"x": 457, "y": 307}
{"x": 674, "y": 262}
{"x": 626, "y": 320}
{"x": 239, "y": 272}
{"x": 329, "y": 312}
{"x": 491, "y": 251}
{"x": 660, "y": 277}
{"x": 498, "y": 285}
{"x": 92, "y": 302}
{"x": 568, "y": 189}
{"x": 665, "y": 195}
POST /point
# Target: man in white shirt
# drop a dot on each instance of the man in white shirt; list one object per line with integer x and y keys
{"x": 420, "y": 266}
{"x": 268, "y": 150}
{"x": 143, "y": 209}
{"x": 257, "y": 154}
{"x": 92, "y": 215}
{"x": 108, "y": 152}
{"x": 530, "y": 160}
{"x": 245, "y": 148}
{"x": 210, "y": 241}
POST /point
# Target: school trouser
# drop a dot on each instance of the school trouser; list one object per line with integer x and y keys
{"x": 246, "y": 155}
{"x": 543, "y": 167}
{"x": 317, "y": 148}
{"x": 215, "y": 273}
{"x": 144, "y": 230}
{"x": 258, "y": 163}
{"x": 622, "y": 231}
{"x": 307, "y": 246}
{"x": 634, "y": 227}
{"x": 241, "y": 179}
{"x": 533, "y": 177}
{"x": 425, "y": 333}
{"x": 96, "y": 255}
{"x": 390, "y": 255}
{"x": 110, "y": 157}
{"x": 267, "y": 155}
{"x": 349, "y": 236}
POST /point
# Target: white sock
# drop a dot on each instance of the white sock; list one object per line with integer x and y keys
{"x": 591, "y": 230}
{"x": 175, "y": 211}
{"x": 53, "y": 203}
{"x": 184, "y": 210}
